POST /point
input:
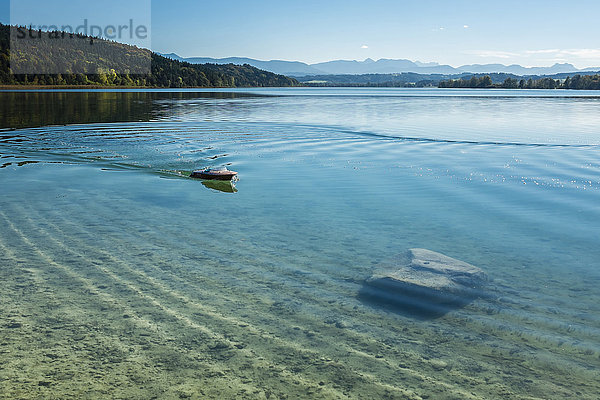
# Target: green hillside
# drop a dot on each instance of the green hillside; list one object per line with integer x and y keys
{"x": 74, "y": 55}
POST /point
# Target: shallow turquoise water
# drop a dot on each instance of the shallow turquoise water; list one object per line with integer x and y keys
{"x": 99, "y": 218}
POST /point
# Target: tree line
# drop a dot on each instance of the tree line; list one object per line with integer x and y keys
{"x": 577, "y": 82}
{"x": 111, "y": 69}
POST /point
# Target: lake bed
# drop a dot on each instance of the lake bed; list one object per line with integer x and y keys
{"x": 123, "y": 278}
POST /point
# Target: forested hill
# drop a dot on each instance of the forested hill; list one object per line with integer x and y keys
{"x": 165, "y": 72}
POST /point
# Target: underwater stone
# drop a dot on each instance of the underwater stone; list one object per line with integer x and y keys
{"x": 422, "y": 274}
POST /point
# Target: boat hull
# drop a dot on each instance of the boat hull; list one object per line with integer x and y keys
{"x": 214, "y": 175}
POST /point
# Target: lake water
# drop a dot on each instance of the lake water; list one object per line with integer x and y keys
{"x": 120, "y": 277}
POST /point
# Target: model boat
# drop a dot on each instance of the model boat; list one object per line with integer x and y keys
{"x": 219, "y": 174}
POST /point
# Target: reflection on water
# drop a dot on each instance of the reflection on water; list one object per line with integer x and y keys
{"x": 20, "y": 109}
{"x": 221, "y": 186}
{"x": 568, "y": 118}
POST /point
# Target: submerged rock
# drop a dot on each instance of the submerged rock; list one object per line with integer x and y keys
{"x": 423, "y": 275}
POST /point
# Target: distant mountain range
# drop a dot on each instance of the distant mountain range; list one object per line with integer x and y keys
{"x": 291, "y": 68}
{"x": 381, "y": 66}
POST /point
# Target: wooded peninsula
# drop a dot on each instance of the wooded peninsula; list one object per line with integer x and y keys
{"x": 73, "y": 55}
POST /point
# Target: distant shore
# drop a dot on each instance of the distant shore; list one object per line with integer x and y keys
{"x": 101, "y": 87}
{"x": 50, "y": 87}
{"x": 53, "y": 87}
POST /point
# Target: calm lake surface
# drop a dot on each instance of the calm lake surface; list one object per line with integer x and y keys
{"x": 120, "y": 277}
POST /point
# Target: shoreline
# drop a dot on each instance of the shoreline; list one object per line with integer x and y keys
{"x": 53, "y": 87}
{"x": 99, "y": 87}
{"x": 50, "y": 87}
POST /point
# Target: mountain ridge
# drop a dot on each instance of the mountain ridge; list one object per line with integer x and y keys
{"x": 381, "y": 66}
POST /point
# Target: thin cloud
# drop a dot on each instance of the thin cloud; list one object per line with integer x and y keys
{"x": 582, "y": 53}
{"x": 364, "y": 46}
{"x": 548, "y": 53}
{"x": 494, "y": 54}
{"x": 563, "y": 54}
{"x": 545, "y": 51}
{"x": 466, "y": 26}
{"x": 579, "y": 57}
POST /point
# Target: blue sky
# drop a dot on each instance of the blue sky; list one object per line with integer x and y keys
{"x": 527, "y": 32}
